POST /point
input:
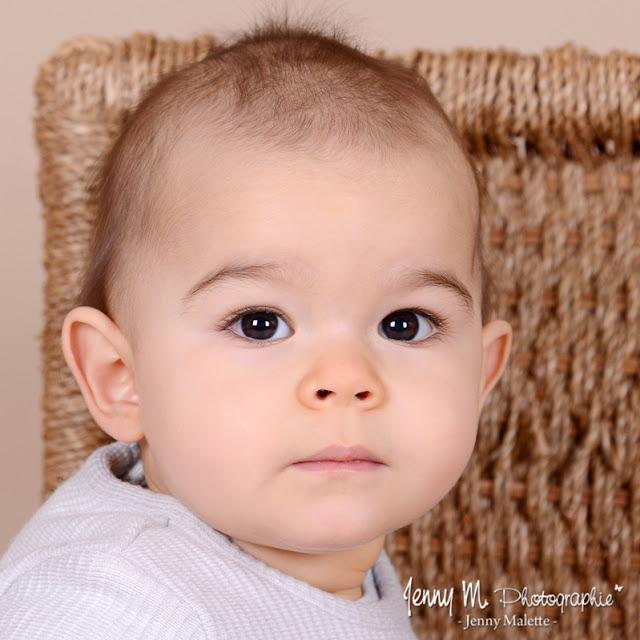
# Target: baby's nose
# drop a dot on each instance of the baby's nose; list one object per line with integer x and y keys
{"x": 341, "y": 378}
{"x": 323, "y": 393}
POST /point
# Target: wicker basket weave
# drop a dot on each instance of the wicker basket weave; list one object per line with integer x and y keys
{"x": 551, "y": 497}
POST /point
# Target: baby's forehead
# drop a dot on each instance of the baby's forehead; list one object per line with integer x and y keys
{"x": 204, "y": 178}
{"x": 200, "y": 174}
{"x": 199, "y": 161}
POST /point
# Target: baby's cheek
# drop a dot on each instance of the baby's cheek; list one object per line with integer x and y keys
{"x": 440, "y": 439}
{"x": 430, "y": 459}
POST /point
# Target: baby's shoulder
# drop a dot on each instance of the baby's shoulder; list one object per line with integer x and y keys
{"x": 93, "y": 593}
{"x": 93, "y": 511}
{"x": 92, "y": 551}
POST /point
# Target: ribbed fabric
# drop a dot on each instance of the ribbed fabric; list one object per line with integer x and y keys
{"x": 106, "y": 558}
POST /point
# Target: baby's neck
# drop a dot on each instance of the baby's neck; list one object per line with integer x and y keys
{"x": 340, "y": 573}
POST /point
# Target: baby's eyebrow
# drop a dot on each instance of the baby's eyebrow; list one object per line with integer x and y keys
{"x": 412, "y": 278}
{"x": 408, "y": 278}
{"x": 266, "y": 271}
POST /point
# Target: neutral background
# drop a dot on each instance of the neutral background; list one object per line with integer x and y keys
{"x": 31, "y": 29}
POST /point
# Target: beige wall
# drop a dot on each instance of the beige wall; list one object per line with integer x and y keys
{"x": 31, "y": 29}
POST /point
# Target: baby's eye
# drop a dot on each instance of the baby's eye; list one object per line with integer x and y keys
{"x": 260, "y": 325}
{"x": 406, "y": 325}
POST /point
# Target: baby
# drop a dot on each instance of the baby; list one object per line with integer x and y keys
{"x": 283, "y": 324}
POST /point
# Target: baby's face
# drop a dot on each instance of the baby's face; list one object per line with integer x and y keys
{"x": 308, "y": 377}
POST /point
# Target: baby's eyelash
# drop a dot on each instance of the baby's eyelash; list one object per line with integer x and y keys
{"x": 229, "y": 321}
{"x": 438, "y": 322}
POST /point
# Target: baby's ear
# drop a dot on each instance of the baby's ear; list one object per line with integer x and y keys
{"x": 100, "y": 359}
{"x": 496, "y": 347}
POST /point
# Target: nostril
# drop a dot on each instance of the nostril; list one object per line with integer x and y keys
{"x": 323, "y": 393}
{"x": 363, "y": 395}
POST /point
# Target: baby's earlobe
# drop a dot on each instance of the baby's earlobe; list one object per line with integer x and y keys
{"x": 99, "y": 358}
{"x": 497, "y": 337}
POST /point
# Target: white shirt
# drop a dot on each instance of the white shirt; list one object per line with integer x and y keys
{"x": 106, "y": 558}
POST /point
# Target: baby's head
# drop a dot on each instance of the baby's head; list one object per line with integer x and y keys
{"x": 286, "y": 302}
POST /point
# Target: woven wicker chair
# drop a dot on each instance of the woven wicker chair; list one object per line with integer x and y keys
{"x": 551, "y": 497}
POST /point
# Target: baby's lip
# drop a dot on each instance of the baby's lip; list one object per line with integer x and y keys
{"x": 339, "y": 453}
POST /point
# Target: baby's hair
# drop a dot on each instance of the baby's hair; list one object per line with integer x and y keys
{"x": 281, "y": 87}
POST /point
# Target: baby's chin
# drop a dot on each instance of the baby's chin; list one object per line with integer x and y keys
{"x": 312, "y": 547}
{"x": 319, "y": 545}
{"x": 332, "y": 538}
